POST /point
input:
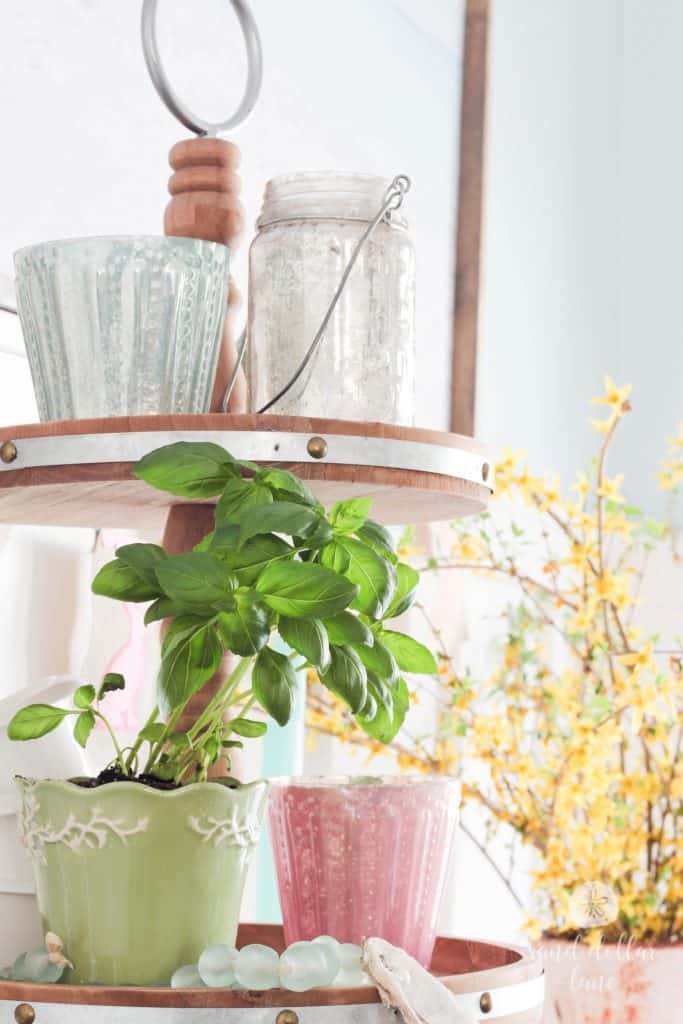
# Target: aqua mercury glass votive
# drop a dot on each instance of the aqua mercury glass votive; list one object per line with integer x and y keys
{"x": 121, "y": 326}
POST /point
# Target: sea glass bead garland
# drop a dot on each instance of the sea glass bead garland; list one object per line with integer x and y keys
{"x": 302, "y": 966}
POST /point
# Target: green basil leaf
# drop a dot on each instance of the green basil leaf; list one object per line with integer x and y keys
{"x": 346, "y": 677}
{"x": 347, "y": 628}
{"x": 189, "y": 469}
{"x": 380, "y": 660}
{"x": 251, "y": 558}
{"x": 273, "y": 683}
{"x": 85, "y": 723}
{"x": 166, "y": 769}
{"x": 245, "y": 630}
{"x": 349, "y": 516}
{"x": 377, "y": 536}
{"x": 205, "y": 543}
{"x": 111, "y": 681}
{"x": 238, "y": 497}
{"x": 180, "y": 628}
{"x": 186, "y": 665}
{"x": 286, "y": 485}
{"x": 35, "y": 721}
{"x": 383, "y": 694}
{"x": 335, "y": 557}
{"x": 317, "y": 537}
{"x": 386, "y": 722}
{"x": 308, "y": 637}
{"x": 280, "y": 517}
{"x": 84, "y": 696}
{"x": 410, "y": 655}
{"x": 248, "y": 728}
{"x": 178, "y": 741}
{"x": 304, "y": 590}
{"x": 153, "y": 733}
{"x": 408, "y": 579}
{"x": 162, "y": 608}
{"x": 196, "y": 580}
{"x": 124, "y": 583}
{"x": 374, "y": 575}
{"x": 144, "y": 558}
{"x": 369, "y": 709}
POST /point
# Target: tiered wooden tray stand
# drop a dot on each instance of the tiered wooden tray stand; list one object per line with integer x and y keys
{"x": 78, "y": 473}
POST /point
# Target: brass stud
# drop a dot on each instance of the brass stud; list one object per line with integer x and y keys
{"x": 317, "y": 449}
{"x": 8, "y": 451}
{"x": 287, "y": 1017}
{"x": 24, "y": 1014}
{"x": 485, "y": 470}
{"x": 486, "y": 1003}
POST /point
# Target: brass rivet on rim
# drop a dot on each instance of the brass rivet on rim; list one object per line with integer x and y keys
{"x": 486, "y": 1003}
{"x": 8, "y": 451}
{"x": 287, "y": 1017}
{"x": 24, "y": 1014}
{"x": 317, "y": 449}
{"x": 485, "y": 470}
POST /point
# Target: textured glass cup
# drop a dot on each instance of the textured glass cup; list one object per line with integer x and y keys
{"x": 364, "y": 368}
{"x": 121, "y": 326}
{"x": 363, "y": 857}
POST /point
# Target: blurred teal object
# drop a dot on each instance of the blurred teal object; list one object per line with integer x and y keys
{"x": 283, "y": 754}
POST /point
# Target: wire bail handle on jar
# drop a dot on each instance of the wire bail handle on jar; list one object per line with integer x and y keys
{"x": 162, "y": 85}
{"x": 393, "y": 200}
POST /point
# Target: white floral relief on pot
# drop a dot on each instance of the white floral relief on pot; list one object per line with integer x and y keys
{"x": 233, "y": 831}
{"x": 93, "y": 834}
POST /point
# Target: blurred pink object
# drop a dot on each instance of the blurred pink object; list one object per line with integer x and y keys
{"x": 363, "y": 857}
{"x": 129, "y": 659}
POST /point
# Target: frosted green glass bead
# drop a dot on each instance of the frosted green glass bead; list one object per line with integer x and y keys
{"x": 36, "y": 966}
{"x": 349, "y": 956}
{"x": 187, "y": 977}
{"x": 217, "y": 966}
{"x": 257, "y": 967}
{"x": 305, "y": 965}
{"x": 330, "y": 947}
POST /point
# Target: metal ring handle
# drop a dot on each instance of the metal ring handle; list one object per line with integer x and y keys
{"x": 162, "y": 85}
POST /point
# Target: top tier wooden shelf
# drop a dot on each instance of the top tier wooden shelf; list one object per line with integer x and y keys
{"x": 77, "y": 472}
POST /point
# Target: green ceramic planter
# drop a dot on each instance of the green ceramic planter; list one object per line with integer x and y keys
{"x": 137, "y": 881}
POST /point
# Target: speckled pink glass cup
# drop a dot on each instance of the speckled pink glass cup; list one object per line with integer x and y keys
{"x": 361, "y": 857}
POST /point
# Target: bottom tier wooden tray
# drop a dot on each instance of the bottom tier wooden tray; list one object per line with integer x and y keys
{"x": 494, "y": 982}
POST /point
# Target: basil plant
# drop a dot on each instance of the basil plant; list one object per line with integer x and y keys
{"x": 276, "y": 564}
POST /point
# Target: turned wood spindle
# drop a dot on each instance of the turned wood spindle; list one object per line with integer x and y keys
{"x": 205, "y": 203}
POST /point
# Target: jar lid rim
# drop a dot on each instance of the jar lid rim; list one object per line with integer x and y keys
{"x": 325, "y": 195}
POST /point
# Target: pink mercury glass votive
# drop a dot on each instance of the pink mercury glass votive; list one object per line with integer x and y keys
{"x": 361, "y": 857}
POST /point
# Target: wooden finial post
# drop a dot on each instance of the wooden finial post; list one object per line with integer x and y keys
{"x": 205, "y": 203}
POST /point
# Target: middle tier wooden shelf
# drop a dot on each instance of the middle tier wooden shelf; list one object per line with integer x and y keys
{"x": 78, "y": 472}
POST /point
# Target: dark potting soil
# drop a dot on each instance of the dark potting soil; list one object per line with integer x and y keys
{"x": 114, "y": 774}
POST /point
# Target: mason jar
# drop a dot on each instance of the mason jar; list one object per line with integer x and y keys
{"x": 364, "y": 367}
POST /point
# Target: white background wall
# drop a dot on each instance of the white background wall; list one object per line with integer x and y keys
{"x": 584, "y": 219}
